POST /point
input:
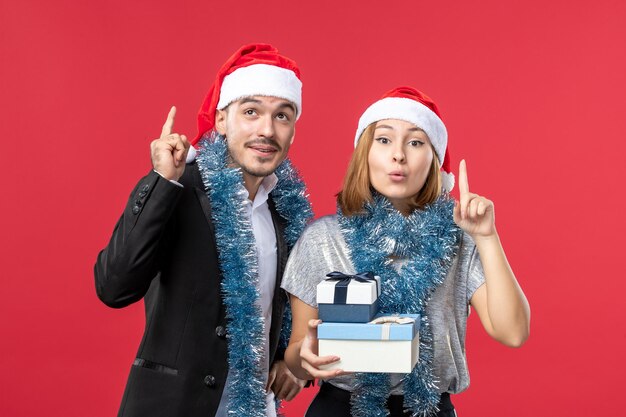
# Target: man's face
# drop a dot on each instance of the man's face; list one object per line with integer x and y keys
{"x": 259, "y": 131}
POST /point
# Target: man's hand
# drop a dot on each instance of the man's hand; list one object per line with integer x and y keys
{"x": 169, "y": 152}
{"x": 284, "y": 384}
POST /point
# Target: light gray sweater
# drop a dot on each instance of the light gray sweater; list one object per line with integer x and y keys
{"x": 322, "y": 249}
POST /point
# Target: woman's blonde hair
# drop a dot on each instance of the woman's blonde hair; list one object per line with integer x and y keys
{"x": 357, "y": 188}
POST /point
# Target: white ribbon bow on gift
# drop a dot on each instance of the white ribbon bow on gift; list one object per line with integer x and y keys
{"x": 387, "y": 321}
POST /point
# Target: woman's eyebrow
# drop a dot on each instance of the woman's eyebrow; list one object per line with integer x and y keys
{"x": 411, "y": 129}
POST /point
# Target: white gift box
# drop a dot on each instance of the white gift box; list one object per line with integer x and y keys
{"x": 357, "y": 292}
{"x": 368, "y": 347}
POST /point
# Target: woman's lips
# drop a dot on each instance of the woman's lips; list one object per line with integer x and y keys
{"x": 397, "y": 176}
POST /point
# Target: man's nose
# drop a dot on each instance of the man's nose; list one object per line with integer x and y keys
{"x": 266, "y": 128}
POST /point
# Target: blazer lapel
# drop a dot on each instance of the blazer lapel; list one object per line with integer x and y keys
{"x": 280, "y": 298}
{"x": 201, "y": 194}
{"x": 281, "y": 245}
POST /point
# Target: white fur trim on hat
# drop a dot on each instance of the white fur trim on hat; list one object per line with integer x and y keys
{"x": 447, "y": 180}
{"x": 410, "y": 111}
{"x": 261, "y": 80}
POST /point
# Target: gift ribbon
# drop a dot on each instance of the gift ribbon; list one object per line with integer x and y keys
{"x": 387, "y": 321}
{"x": 341, "y": 288}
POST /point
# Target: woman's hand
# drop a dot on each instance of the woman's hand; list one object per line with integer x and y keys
{"x": 474, "y": 214}
{"x": 310, "y": 361}
{"x": 301, "y": 354}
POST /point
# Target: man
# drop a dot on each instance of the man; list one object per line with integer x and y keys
{"x": 204, "y": 240}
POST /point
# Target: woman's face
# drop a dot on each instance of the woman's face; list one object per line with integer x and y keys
{"x": 399, "y": 161}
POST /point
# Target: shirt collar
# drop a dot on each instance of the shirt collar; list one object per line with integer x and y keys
{"x": 265, "y": 188}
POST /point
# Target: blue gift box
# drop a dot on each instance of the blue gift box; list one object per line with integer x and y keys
{"x": 347, "y": 313}
{"x": 369, "y": 331}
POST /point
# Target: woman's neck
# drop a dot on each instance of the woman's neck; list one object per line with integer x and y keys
{"x": 402, "y": 205}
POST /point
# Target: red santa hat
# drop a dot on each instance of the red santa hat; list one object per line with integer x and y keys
{"x": 413, "y": 106}
{"x": 254, "y": 70}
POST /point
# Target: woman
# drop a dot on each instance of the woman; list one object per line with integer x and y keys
{"x": 435, "y": 258}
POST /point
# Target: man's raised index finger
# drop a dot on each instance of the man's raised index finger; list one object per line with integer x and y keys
{"x": 169, "y": 122}
{"x": 463, "y": 183}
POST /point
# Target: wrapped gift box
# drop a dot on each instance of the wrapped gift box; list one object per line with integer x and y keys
{"x": 345, "y": 298}
{"x": 368, "y": 347}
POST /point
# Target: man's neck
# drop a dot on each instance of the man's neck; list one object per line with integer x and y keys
{"x": 252, "y": 184}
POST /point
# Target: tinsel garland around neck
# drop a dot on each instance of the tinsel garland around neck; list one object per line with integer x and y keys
{"x": 239, "y": 266}
{"x": 425, "y": 243}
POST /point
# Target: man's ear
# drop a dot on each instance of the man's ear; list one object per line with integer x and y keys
{"x": 293, "y": 136}
{"x": 220, "y": 121}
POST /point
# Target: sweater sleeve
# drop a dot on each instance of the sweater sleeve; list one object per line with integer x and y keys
{"x": 472, "y": 266}
{"x": 321, "y": 249}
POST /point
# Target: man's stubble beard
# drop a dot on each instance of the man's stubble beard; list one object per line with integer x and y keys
{"x": 233, "y": 162}
{"x": 255, "y": 173}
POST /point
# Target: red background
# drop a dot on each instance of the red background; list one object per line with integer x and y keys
{"x": 532, "y": 93}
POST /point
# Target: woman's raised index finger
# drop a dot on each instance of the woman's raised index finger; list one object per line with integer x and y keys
{"x": 169, "y": 122}
{"x": 463, "y": 183}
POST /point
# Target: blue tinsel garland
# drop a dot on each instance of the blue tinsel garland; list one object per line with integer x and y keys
{"x": 238, "y": 264}
{"x": 427, "y": 240}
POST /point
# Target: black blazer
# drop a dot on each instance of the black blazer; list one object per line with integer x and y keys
{"x": 163, "y": 250}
